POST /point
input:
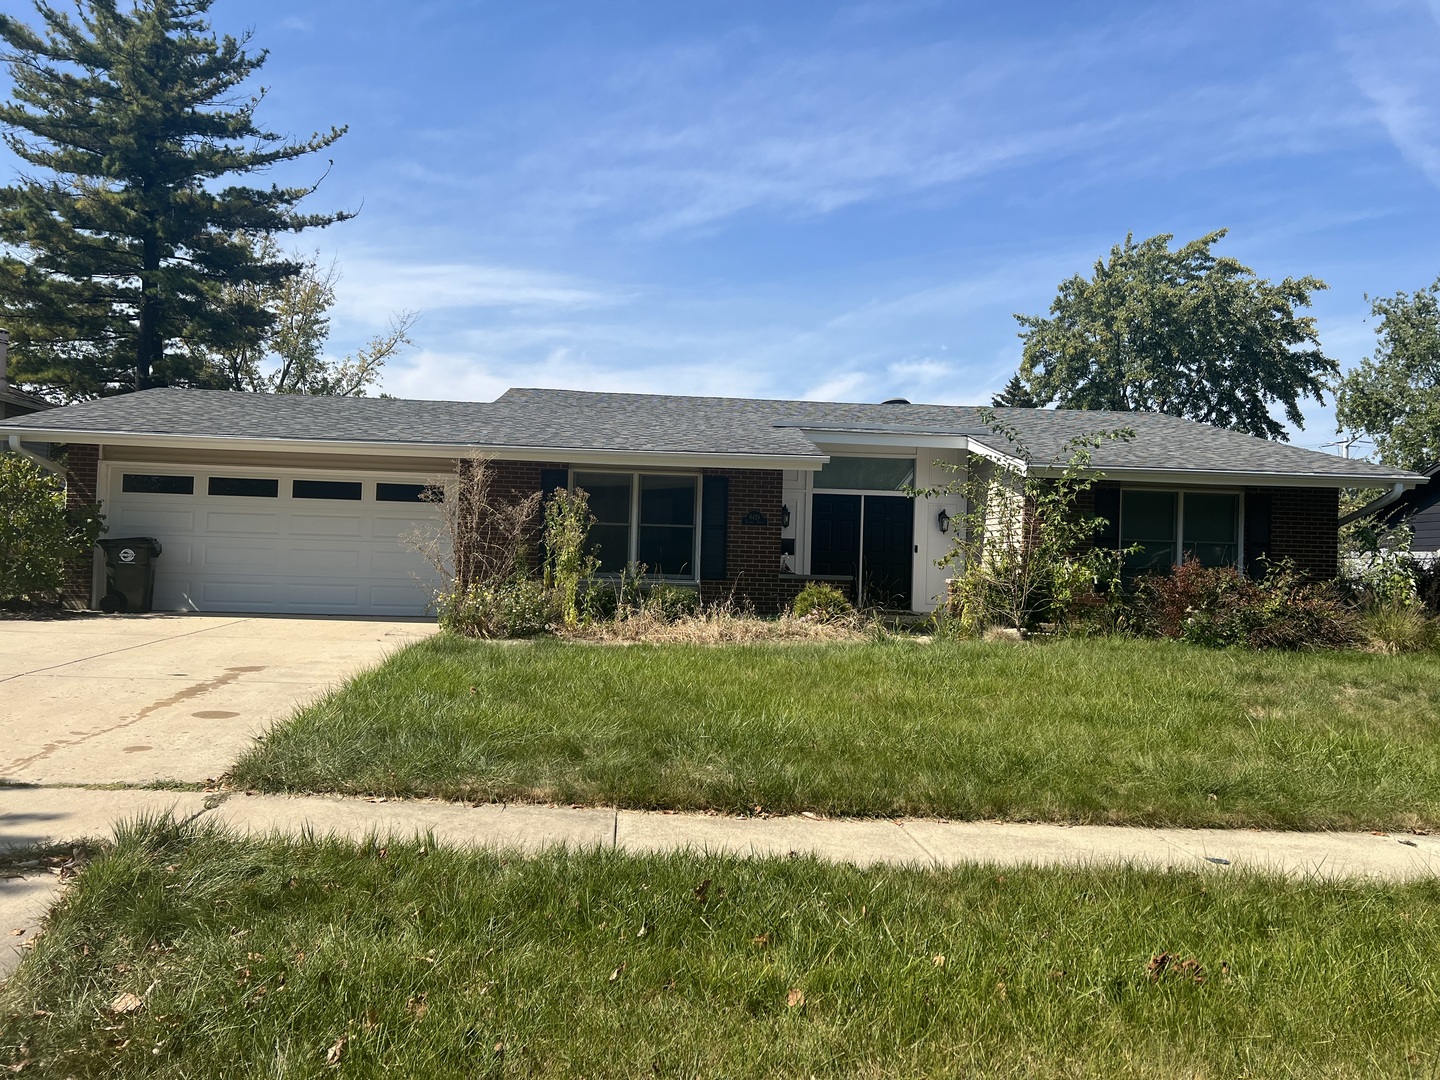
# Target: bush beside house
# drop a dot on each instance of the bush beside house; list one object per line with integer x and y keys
{"x": 39, "y": 537}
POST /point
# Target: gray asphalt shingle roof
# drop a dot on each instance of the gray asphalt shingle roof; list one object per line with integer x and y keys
{"x": 579, "y": 420}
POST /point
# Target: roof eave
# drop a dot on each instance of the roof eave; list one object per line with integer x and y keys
{"x": 1253, "y": 477}
{"x": 574, "y": 454}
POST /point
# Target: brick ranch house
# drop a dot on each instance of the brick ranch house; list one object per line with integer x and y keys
{"x": 301, "y": 504}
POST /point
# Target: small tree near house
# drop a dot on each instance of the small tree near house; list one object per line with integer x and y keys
{"x": 39, "y": 537}
{"x": 481, "y": 550}
{"x": 1024, "y": 554}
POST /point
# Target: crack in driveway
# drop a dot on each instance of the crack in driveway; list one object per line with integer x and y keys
{"x": 123, "y": 648}
{"x": 193, "y": 691}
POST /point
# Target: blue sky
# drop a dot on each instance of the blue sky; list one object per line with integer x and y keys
{"x": 844, "y": 200}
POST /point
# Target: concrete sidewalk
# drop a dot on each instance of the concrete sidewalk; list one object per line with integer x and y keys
{"x": 36, "y": 815}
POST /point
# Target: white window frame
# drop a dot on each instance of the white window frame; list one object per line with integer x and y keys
{"x": 631, "y": 555}
{"x": 1178, "y": 553}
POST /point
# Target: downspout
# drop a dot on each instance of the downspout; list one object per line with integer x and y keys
{"x": 39, "y": 459}
{"x": 1365, "y": 511}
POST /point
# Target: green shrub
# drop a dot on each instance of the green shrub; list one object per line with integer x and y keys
{"x": 568, "y": 562}
{"x": 1398, "y": 627}
{"x": 1220, "y": 608}
{"x": 38, "y": 536}
{"x": 671, "y": 603}
{"x": 599, "y": 602}
{"x": 520, "y": 607}
{"x": 821, "y": 603}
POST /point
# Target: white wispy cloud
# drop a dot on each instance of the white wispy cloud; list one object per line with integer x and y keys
{"x": 371, "y": 288}
{"x": 1392, "y": 52}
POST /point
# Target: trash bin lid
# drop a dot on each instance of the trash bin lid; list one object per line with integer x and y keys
{"x": 131, "y": 544}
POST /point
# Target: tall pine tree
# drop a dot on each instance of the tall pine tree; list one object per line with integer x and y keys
{"x": 114, "y": 257}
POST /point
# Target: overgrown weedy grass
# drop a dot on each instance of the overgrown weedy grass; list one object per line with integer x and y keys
{"x": 265, "y": 957}
{"x": 1134, "y": 732}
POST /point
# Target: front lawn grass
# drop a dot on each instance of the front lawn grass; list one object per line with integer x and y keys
{"x": 260, "y": 958}
{"x": 1133, "y": 732}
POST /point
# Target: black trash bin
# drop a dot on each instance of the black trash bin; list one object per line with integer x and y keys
{"x": 129, "y": 573}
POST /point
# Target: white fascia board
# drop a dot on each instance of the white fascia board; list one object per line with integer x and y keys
{"x": 569, "y": 455}
{"x": 1201, "y": 478}
{"x": 906, "y": 441}
{"x": 893, "y": 439}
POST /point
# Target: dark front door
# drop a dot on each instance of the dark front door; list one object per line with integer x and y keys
{"x": 889, "y": 537}
{"x": 835, "y": 536}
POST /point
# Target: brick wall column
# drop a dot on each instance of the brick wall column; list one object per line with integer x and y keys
{"x": 752, "y": 562}
{"x": 82, "y": 483}
{"x": 1305, "y": 527}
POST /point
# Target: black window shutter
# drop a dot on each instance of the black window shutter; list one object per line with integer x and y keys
{"x": 714, "y": 529}
{"x": 1257, "y": 531}
{"x": 1107, "y": 506}
{"x": 552, "y": 479}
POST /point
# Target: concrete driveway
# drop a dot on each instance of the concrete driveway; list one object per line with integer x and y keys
{"x": 137, "y": 698}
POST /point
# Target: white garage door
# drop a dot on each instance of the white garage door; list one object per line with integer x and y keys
{"x": 268, "y": 540}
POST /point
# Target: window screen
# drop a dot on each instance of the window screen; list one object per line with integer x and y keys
{"x": 866, "y": 474}
{"x": 609, "y": 498}
{"x": 244, "y": 486}
{"x": 1147, "y": 518}
{"x": 157, "y": 484}
{"x": 667, "y": 525}
{"x": 1212, "y": 528}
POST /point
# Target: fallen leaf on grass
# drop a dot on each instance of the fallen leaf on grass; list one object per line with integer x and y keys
{"x": 702, "y": 892}
{"x": 417, "y": 1006}
{"x": 795, "y": 999}
{"x": 126, "y": 1003}
{"x": 336, "y": 1052}
{"x": 615, "y": 975}
{"x": 938, "y": 960}
{"x": 761, "y": 939}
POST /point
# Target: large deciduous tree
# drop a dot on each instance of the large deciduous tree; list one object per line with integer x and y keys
{"x": 1182, "y": 331}
{"x": 1393, "y": 397}
{"x": 115, "y": 251}
{"x": 290, "y": 358}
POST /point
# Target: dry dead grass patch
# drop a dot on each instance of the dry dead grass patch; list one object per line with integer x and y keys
{"x": 718, "y": 627}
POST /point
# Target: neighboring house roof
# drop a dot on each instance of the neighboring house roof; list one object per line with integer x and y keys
{"x": 16, "y": 403}
{"x": 784, "y": 431}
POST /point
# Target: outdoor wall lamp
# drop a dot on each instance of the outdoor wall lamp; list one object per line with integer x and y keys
{"x": 784, "y": 517}
{"x": 943, "y": 521}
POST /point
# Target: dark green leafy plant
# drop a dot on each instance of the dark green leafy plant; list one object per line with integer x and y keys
{"x": 821, "y": 603}
{"x": 38, "y": 536}
{"x": 569, "y": 563}
{"x": 1393, "y": 397}
{"x": 1184, "y": 332}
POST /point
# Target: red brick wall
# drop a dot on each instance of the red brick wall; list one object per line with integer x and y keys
{"x": 1305, "y": 527}
{"x": 752, "y": 556}
{"x": 82, "y": 482}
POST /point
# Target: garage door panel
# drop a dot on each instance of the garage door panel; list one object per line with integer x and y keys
{"x": 390, "y": 527}
{"x": 321, "y": 559}
{"x": 324, "y": 525}
{"x": 339, "y": 596}
{"x": 390, "y": 561}
{"x": 398, "y": 600}
{"x": 145, "y": 520}
{"x": 217, "y": 592}
{"x": 235, "y": 556}
{"x": 217, "y": 521}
